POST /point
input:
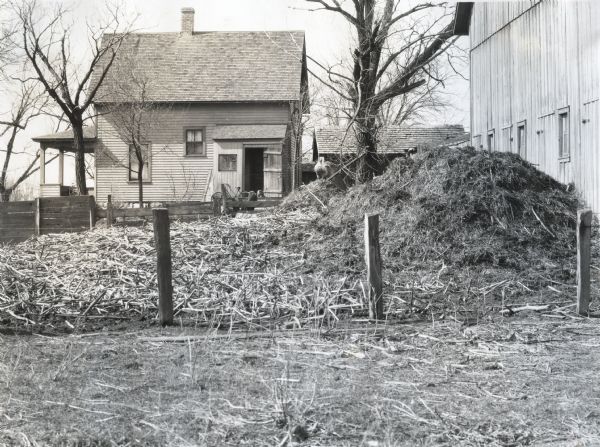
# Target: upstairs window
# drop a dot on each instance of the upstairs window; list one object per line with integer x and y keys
{"x": 522, "y": 139}
{"x": 564, "y": 150}
{"x": 194, "y": 142}
{"x": 134, "y": 166}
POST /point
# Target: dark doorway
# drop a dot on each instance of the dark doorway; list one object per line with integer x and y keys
{"x": 254, "y": 173}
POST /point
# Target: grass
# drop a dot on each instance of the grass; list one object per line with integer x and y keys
{"x": 520, "y": 381}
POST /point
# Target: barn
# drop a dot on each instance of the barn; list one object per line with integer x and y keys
{"x": 535, "y": 85}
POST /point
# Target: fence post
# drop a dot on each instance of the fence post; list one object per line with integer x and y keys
{"x": 373, "y": 261}
{"x": 162, "y": 242}
{"x": 584, "y": 233}
{"x": 37, "y": 217}
{"x": 223, "y": 199}
{"x": 92, "y": 205}
{"x": 109, "y": 212}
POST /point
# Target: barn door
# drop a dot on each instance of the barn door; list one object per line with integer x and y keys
{"x": 273, "y": 172}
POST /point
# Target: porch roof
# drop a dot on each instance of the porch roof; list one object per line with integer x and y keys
{"x": 250, "y": 132}
{"x": 64, "y": 140}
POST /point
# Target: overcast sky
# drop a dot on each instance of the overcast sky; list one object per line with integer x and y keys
{"x": 327, "y": 39}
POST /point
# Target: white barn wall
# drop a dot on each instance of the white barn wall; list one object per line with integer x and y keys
{"x": 529, "y": 60}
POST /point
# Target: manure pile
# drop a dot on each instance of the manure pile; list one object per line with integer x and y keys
{"x": 470, "y": 224}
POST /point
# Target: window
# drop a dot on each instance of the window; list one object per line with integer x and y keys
{"x": 194, "y": 142}
{"x": 507, "y": 138}
{"x": 564, "y": 150}
{"x": 227, "y": 162}
{"x": 490, "y": 140}
{"x": 522, "y": 139}
{"x": 134, "y": 163}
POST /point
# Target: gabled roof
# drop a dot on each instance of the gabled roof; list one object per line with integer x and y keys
{"x": 250, "y": 132}
{"x": 212, "y": 66}
{"x": 391, "y": 139}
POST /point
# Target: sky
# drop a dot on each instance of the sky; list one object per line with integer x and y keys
{"x": 328, "y": 38}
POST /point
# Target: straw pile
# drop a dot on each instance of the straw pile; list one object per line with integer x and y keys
{"x": 225, "y": 271}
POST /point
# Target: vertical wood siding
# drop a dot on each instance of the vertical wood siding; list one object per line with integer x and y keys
{"x": 529, "y": 61}
{"x": 174, "y": 176}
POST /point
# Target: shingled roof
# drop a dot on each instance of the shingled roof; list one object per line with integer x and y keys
{"x": 391, "y": 139}
{"x": 212, "y": 66}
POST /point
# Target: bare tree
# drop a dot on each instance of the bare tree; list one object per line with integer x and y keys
{"x": 46, "y": 42}
{"x": 395, "y": 54}
{"x": 134, "y": 115}
{"x": 29, "y": 103}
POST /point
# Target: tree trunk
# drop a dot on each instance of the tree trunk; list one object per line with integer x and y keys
{"x": 77, "y": 126}
{"x": 5, "y": 195}
{"x": 140, "y": 188}
{"x": 140, "y": 158}
{"x": 369, "y": 164}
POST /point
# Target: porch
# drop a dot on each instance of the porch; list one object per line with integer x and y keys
{"x": 63, "y": 143}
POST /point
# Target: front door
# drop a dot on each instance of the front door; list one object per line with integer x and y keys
{"x": 254, "y": 177}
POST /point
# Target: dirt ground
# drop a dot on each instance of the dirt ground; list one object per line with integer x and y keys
{"x": 529, "y": 379}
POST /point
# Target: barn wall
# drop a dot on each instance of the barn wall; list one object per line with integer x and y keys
{"x": 531, "y": 61}
{"x": 174, "y": 176}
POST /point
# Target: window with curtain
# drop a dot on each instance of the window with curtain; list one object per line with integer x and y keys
{"x": 194, "y": 142}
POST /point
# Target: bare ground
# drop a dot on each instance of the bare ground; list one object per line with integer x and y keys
{"x": 524, "y": 380}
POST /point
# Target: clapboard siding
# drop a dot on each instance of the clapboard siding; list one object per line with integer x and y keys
{"x": 529, "y": 61}
{"x": 173, "y": 175}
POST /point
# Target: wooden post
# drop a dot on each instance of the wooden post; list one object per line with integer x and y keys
{"x": 223, "y": 199}
{"x": 584, "y": 233}
{"x": 373, "y": 261}
{"x": 61, "y": 167}
{"x": 37, "y": 217}
{"x": 42, "y": 167}
{"x": 162, "y": 242}
{"x": 109, "y": 212}
{"x": 92, "y": 207}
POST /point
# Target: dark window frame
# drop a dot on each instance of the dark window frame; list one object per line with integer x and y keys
{"x": 220, "y": 167}
{"x": 562, "y": 154}
{"x": 491, "y": 133}
{"x": 204, "y": 152}
{"x": 522, "y": 142}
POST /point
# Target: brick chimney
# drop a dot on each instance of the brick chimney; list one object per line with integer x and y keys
{"x": 187, "y": 21}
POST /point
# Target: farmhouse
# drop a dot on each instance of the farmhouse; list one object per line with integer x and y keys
{"x": 535, "y": 85}
{"x": 225, "y": 106}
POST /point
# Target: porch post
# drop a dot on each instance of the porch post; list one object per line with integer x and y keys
{"x": 42, "y": 166}
{"x": 61, "y": 167}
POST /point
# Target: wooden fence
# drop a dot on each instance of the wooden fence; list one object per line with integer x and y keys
{"x": 199, "y": 210}
{"x": 21, "y": 220}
